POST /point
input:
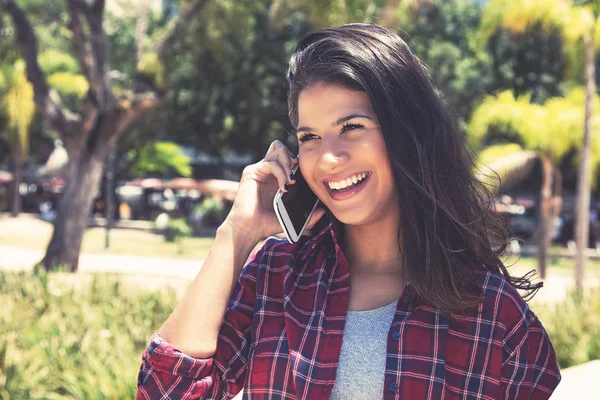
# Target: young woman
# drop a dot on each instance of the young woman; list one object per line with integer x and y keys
{"x": 400, "y": 293}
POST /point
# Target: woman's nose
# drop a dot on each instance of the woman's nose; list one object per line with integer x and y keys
{"x": 332, "y": 154}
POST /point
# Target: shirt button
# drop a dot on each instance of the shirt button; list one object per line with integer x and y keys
{"x": 393, "y": 387}
{"x": 396, "y": 335}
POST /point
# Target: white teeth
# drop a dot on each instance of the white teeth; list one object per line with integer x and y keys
{"x": 347, "y": 182}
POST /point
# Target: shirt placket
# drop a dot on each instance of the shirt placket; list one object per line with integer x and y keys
{"x": 393, "y": 370}
{"x": 339, "y": 303}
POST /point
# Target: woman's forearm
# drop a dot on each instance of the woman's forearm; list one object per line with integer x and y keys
{"x": 193, "y": 327}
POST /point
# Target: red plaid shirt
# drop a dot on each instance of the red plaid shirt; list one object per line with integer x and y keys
{"x": 282, "y": 334}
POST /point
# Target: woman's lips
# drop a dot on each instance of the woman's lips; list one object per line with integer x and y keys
{"x": 346, "y": 193}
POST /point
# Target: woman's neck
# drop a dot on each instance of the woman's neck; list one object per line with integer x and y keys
{"x": 373, "y": 248}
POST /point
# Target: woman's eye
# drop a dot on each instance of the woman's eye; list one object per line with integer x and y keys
{"x": 346, "y": 127}
{"x": 307, "y": 137}
{"x": 350, "y": 127}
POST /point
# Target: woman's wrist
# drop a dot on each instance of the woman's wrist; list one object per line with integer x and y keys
{"x": 240, "y": 236}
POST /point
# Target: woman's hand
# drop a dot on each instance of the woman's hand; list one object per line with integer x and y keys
{"x": 252, "y": 213}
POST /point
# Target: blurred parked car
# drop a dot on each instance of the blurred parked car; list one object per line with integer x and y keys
{"x": 147, "y": 198}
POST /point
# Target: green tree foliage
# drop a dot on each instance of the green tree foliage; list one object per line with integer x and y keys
{"x": 325, "y": 13}
{"x": 160, "y": 159}
{"x": 554, "y": 128}
{"x": 50, "y": 21}
{"x": 445, "y": 35}
{"x": 227, "y": 79}
{"x": 561, "y": 20}
{"x": 130, "y": 72}
{"x": 53, "y": 61}
{"x": 227, "y": 76}
{"x": 62, "y": 72}
{"x": 531, "y": 63}
{"x": 18, "y": 107}
{"x": 442, "y": 33}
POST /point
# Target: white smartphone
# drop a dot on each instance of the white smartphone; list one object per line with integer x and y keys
{"x": 294, "y": 207}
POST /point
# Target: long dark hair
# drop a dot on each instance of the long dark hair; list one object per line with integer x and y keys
{"x": 448, "y": 229}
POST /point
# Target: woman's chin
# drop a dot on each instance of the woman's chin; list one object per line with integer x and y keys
{"x": 351, "y": 217}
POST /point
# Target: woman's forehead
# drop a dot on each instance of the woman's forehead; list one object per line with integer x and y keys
{"x": 322, "y": 102}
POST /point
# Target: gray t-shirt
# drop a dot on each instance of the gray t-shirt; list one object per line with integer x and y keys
{"x": 361, "y": 369}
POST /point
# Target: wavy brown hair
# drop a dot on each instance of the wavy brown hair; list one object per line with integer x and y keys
{"x": 449, "y": 229}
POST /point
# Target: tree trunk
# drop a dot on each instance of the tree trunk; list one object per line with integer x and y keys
{"x": 584, "y": 170}
{"x": 83, "y": 180}
{"x": 17, "y": 178}
{"x": 545, "y": 215}
{"x": 87, "y": 157}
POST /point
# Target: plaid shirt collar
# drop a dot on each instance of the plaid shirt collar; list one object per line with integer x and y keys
{"x": 331, "y": 231}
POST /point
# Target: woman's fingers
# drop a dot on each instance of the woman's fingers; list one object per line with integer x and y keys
{"x": 279, "y": 152}
{"x": 273, "y": 167}
{"x": 275, "y": 145}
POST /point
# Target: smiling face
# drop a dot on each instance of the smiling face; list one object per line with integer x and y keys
{"x": 343, "y": 155}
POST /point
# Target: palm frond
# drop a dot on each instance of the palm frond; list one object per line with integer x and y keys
{"x": 553, "y": 128}
{"x": 511, "y": 169}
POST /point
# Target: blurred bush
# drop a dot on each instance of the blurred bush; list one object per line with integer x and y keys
{"x": 212, "y": 212}
{"x": 60, "y": 342}
{"x": 177, "y": 229}
{"x": 573, "y": 326}
{"x": 159, "y": 159}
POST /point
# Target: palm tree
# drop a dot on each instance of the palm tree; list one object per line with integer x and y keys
{"x": 578, "y": 25}
{"x": 513, "y": 165}
{"x": 19, "y": 108}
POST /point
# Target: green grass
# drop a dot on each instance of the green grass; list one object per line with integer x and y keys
{"x": 122, "y": 241}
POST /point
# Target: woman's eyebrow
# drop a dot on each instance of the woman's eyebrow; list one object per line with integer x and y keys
{"x": 336, "y": 123}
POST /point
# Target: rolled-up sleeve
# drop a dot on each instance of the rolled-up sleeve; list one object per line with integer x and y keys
{"x": 168, "y": 374}
{"x": 529, "y": 370}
